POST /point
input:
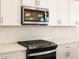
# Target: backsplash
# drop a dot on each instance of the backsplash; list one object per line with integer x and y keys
{"x": 14, "y": 34}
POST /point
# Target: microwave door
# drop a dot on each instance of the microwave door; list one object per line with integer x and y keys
{"x": 30, "y": 16}
{"x": 34, "y": 16}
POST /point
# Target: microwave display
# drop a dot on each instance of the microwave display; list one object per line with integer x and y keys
{"x": 34, "y": 16}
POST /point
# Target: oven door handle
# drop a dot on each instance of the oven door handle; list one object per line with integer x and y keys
{"x": 41, "y": 53}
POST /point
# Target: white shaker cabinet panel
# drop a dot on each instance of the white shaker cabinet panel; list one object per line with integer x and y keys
{"x": 44, "y": 3}
{"x": 68, "y": 51}
{"x": 75, "y": 12}
{"x": 14, "y": 55}
{"x": 60, "y": 13}
{"x": 0, "y": 13}
{"x": 10, "y": 12}
{"x": 63, "y": 12}
{"x": 78, "y": 50}
{"x": 36, "y": 3}
{"x": 29, "y": 2}
{"x": 17, "y": 55}
{"x": 53, "y": 13}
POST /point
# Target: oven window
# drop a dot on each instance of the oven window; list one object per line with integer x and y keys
{"x": 34, "y": 15}
{"x": 45, "y": 56}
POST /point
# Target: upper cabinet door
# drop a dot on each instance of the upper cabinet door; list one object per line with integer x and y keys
{"x": 53, "y": 12}
{"x": 44, "y": 3}
{"x": 63, "y": 12}
{"x": 11, "y": 12}
{"x": 29, "y": 2}
{"x": 60, "y": 13}
{"x": 75, "y": 12}
{"x": 0, "y": 13}
{"x": 36, "y": 3}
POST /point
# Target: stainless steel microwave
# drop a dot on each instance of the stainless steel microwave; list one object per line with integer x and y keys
{"x": 34, "y": 16}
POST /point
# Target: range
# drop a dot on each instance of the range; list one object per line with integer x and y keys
{"x": 39, "y": 49}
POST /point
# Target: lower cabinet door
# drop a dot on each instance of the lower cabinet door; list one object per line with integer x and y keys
{"x": 14, "y": 55}
{"x": 2, "y": 57}
{"x": 78, "y": 50}
{"x": 67, "y": 51}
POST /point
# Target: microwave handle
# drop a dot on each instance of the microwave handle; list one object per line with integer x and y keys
{"x": 45, "y": 14}
{"x": 46, "y": 17}
{"x": 41, "y": 53}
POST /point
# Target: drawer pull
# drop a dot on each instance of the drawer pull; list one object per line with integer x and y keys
{"x": 67, "y": 47}
{"x": 59, "y": 21}
{"x": 67, "y": 54}
{"x": 4, "y": 58}
{"x": 1, "y": 20}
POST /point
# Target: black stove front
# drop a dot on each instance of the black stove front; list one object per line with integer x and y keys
{"x": 39, "y": 49}
{"x": 43, "y": 55}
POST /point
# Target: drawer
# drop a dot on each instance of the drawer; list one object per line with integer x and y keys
{"x": 14, "y": 55}
{"x": 67, "y": 51}
{"x": 68, "y": 46}
{"x": 2, "y": 56}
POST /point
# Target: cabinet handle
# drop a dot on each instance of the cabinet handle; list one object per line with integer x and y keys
{"x": 67, "y": 54}
{"x": 37, "y": 2}
{"x": 59, "y": 21}
{"x": 1, "y": 20}
{"x": 67, "y": 47}
{"x": 76, "y": 22}
{"x": 4, "y": 58}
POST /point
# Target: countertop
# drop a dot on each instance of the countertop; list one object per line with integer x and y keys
{"x": 11, "y": 48}
{"x": 64, "y": 41}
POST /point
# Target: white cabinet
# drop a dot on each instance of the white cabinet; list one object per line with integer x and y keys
{"x": 29, "y": 2}
{"x": 75, "y": 11}
{"x": 60, "y": 13}
{"x": 35, "y": 3}
{"x": 67, "y": 51}
{"x": 10, "y": 12}
{"x": 63, "y": 12}
{"x": 78, "y": 50}
{"x": 14, "y": 55}
{"x": 44, "y": 3}
{"x": 53, "y": 13}
{"x": 0, "y": 12}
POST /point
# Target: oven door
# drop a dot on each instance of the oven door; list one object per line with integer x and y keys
{"x": 43, "y": 55}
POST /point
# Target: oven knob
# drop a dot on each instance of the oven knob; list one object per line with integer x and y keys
{"x": 52, "y": 44}
{"x": 30, "y": 47}
{"x": 36, "y": 46}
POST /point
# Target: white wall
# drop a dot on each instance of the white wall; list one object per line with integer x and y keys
{"x": 14, "y": 34}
